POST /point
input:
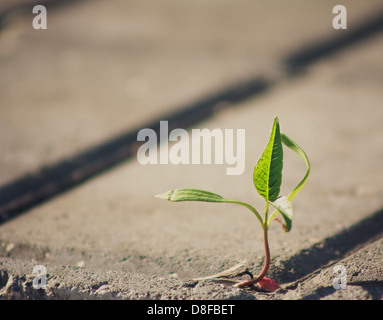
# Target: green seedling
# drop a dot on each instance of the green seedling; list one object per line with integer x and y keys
{"x": 267, "y": 178}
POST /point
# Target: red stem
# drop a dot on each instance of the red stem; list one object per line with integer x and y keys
{"x": 265, "y": 266}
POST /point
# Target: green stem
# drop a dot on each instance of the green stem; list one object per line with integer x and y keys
{"x": 251, "y": 208}
{"x": 266, "y": 214}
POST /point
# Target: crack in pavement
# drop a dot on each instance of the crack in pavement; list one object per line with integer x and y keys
{"x": 36, "y": 188}
{"x": 330, "y": 250}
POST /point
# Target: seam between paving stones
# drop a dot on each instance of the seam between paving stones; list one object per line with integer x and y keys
{"x": 330, "y": 250}
{"x": 33, "y": 189}
{"x": 18, "y": 285}
{"x": 308, "y": 263}
{"x": 374, "y": 286}
{"x": 325, "y": 253}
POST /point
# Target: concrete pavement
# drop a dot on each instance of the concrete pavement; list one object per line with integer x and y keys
{"x": 101, "y": 69}
{"x": 110, "y": 238}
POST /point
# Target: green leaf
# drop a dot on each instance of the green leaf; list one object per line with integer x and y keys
{"x": 202, "y": 195}
{"x": 299, "y": 151}
{"x": 190, "y": 195}
{"x": 284, "y": 207}
{"x": 267, "y": 175}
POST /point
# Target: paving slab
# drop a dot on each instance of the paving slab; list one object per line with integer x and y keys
{"x": 114, "y": 223}
{"x": 101, "y": 69}
{"x": 363, "y": 278}
{"x": 363, "y": 281}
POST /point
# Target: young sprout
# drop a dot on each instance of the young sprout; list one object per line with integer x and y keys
{"x": 267, "y": 178}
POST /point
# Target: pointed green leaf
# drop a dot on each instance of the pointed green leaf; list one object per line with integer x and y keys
{"x": 298, "y": 150}
{"x": 190, "y": 195}
{"x": 202, "y": 195}
{"x": 267, "y": 175}
{"x": 284, "y": 207}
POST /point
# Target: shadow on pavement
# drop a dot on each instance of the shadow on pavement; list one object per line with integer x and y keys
{"x": 332, "y": 248}
{"x": 31, "y": 190}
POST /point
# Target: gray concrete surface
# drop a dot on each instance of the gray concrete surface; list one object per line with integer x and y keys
{"x": 102, "y": 68}
{"x": 363, "y": 282}
{"x": 110, "y": 238}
